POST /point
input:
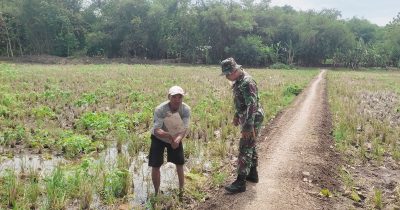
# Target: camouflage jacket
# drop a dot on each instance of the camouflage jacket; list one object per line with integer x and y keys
{"x": 246, "y": 101}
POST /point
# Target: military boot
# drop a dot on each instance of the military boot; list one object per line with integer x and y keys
{"x": 253, "y": 175}
{"x": 239, "y": 185}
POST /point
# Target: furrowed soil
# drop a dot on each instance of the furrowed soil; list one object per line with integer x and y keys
{"x": 296, "y": 159}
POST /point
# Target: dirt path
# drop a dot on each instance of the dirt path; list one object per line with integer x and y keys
{"x": 296, "y": 159}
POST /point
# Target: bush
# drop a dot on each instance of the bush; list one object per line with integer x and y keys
{"x": 292, "y": 90}
{"x": 281, "y": 66}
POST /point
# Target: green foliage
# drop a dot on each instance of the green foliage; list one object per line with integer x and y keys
{"x": 195, "y": 182}
{"x": 11, "y": 187}
{"x": 281, "y": 66}
{"x": 378, "y": 202}
{"x": 11, "y": 136}
{"x": 292, "y": 90}
{"x": 218, "y": 178}
{"x": 98, "y": 123}
{"x": 87, "y": 99}
{"x": 252, "y": 31}
{"x": 347, "y": 178}
{"x": 121, "y": 121}
{"x": 355, "y": 197}
{"x": 136, "y": 97}
{"x": 251, "y": 50}
{"x": 116, "y": 184}
{"x": 56, "y": 189}
{"x": 7, "y": 100}
{"x": 326, "y": 193}
{"x": 377, "y": 149}
{"x": 41, "y": 138}
{"x": 76, "y": 144}
{"x": 4, "y": 111}
{"x": 43, "y": 112}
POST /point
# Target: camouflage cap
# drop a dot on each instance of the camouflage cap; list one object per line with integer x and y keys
{"x": 228, "y": 66}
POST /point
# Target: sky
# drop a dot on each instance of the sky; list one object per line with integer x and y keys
{"x": 380, "y": 12}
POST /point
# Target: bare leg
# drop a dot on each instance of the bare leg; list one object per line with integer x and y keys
{"x": 181, "y": 176}
{"x": 155, "y": 176}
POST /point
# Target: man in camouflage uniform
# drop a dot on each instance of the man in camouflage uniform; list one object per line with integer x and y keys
{"x": 249, "y": 115}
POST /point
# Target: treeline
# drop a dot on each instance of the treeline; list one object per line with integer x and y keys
{"x": 201, "y": 31}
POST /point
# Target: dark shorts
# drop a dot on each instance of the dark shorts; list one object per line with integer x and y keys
{"x": 157, "y": 148}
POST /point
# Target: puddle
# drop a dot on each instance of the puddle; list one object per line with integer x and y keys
{"x": 139, "y": 169}
{"x": 44, "y": 164}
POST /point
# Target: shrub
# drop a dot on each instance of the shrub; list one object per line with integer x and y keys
{"x": 292, "y": 90}
{"x": 281, "y": 66}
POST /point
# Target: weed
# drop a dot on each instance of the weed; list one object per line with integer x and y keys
{"x": 377, "y": 149}
{"x": 378, "y": 199}
{"x": 76, "y": 144}
{"x": 4, "y": 111}
{"x": 96, "y": 123}
{"x": 87, "y": 99}
{"x": 123, "y": 161}
{"x": 138, "y": 143}
{"x": 326, "y": 193}
{"x": 116, "y": 184}
{"x": 347, "y": 178}
{"x": 121, "y": 121}
{"x": 43, "y": 112}
{"x": 8, "y": 100}
{"x": 292, "y": 90}
{"x": 41, "y": 139}
{"x": 11, "y": 187}
{"x": 80, "y": 184}
{"x": 12, "y": 136}
{"x": 355, "y": 197}
{"x": 218, "y": 178}
{"x": 56, "y": 189}
{"x": 395, "y": 151}
{"x": 195, "y": 184}
{"x": 32, "y": 191}
{"x": 136, "y": 97}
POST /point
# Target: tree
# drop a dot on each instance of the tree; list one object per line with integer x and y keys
{"x": 251, "y": 51}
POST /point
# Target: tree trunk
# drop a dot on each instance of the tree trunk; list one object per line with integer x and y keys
{"x": 20, "y": 48}
{"x": 9, "y": 47}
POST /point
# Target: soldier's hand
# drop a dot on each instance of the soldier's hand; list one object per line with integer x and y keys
{"x": 235, "y": 121}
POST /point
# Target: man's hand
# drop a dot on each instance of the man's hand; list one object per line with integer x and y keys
{"x": 174, "y": 144}
{"x": 175, "y": 140}
{"x": 235, "y": 121}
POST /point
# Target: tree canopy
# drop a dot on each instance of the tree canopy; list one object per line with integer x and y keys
{"x": 201, "y": 31}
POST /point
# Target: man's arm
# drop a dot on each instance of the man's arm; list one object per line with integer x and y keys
{"x": 163, "y": 134}
{"x": 179, "y": 136}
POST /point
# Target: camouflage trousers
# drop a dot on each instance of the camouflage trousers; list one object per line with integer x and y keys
{"x": 248, "y": 156}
